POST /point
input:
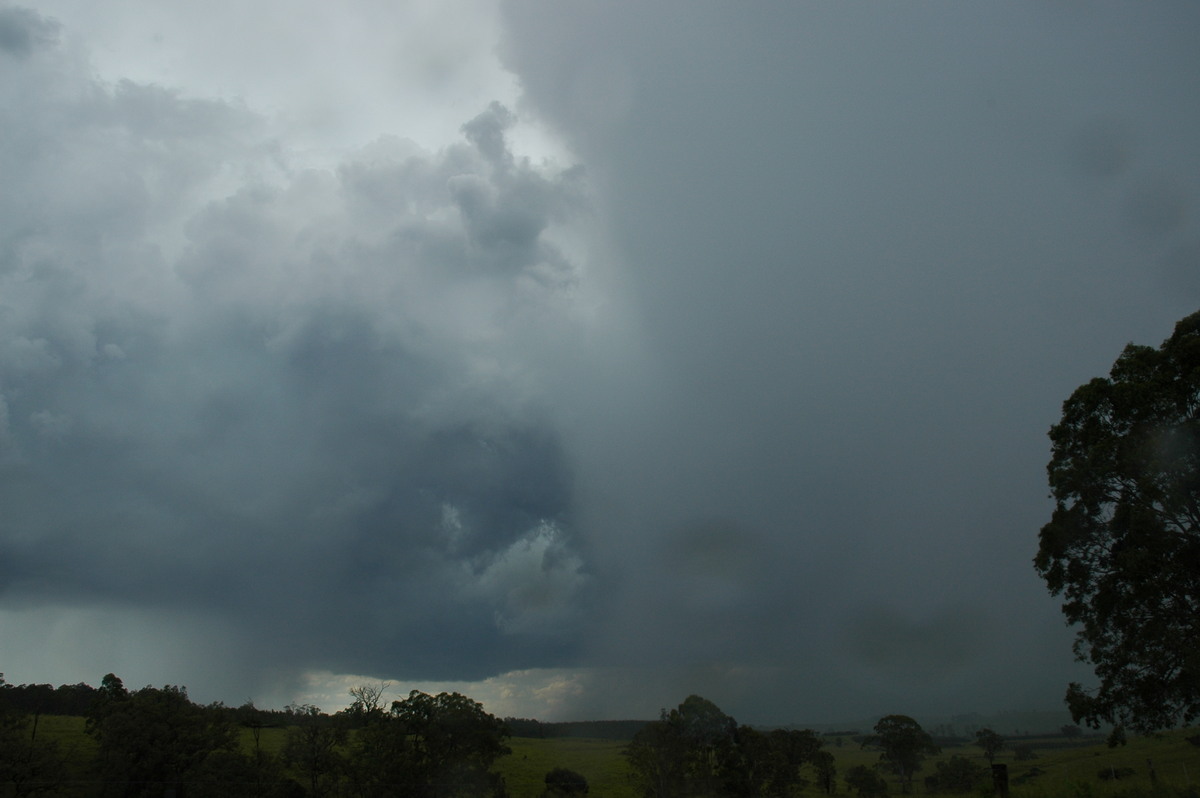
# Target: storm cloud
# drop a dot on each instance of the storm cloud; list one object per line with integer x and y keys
{"x": 714, "y": 355}
{"x": 315, "y": 414}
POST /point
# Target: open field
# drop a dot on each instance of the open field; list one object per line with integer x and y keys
{"x": 1063, "y": 768}
{"x": 1081, "y": 768}
{"x": 599, "y": 761}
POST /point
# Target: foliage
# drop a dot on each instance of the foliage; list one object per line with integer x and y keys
{"x": 312, "y": 748}
{"x": 904, "y": 746}
{"x": 697, "y": 750}
{"x": 781, "y": 759}
{"x": 990, "y": 742}
{"x": 865, "y": 781}
{"x": 452, "y": 744}
{"x": 660, "y": 758}
{"x": 1123, "y": 543}
{"x": 561, "y": 783}
{"x": 367, "y": 705}
{"x": 379, "y": 759}
{"x": 154, "y": 739}
{"x": 1024, "y": 753}
{"x": 957, "y": 775}
{"x": 443, "y": 745}
{"x": 43, "y": 699}
{"x": 1063, "y": 767}
{"x": 27, "y": 764}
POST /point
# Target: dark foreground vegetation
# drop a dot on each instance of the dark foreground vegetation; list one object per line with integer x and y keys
{"x": 156, "y": 742}
{"x": 81, "y": 741}
{"x": 1122, "y": 546}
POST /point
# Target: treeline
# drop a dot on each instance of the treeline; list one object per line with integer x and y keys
{"x": 697, "y": 751}
{"x": 155, "y": 741}
{"x": 588, "y": 729}
{"x": 77, "y": 700}
{"x": 44, "y": 699}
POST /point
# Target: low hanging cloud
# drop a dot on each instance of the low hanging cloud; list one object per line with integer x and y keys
{"x": 23, "y": 30}
{"x": 301, "y": 403}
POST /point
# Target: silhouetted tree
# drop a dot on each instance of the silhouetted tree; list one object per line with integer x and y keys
{"x": 27, "y": 764}
{"x": 562, "y": 783}
{"x": 990, "y": 742}
{"x": 904, "y": 746}
{"x": 697, "y": 750}
{"x": 788, "y": 751}
{"x": 1123, "y": 543}
{"x": 154, "y": 739}
{"x": 311, "y": 748}
{"x": 826, "y": 768}
{"x": 367, "y": 704}
{"x": 865, "y": 781}
{"x": 681, "y": 754}
{"x": 451, "y": 745}
{"x": 658, "y": 757}
{"x": 958, "y": 775}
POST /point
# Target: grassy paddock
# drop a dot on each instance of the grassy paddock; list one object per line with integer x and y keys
{"x": 1061, "y": 769}
{"x": 1069, "y": 770}
{"x": 599, "y": 761}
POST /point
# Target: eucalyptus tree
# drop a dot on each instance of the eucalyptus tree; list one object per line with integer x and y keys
{"x": 1123, "y": 543}
{"x": 904, "y": 746}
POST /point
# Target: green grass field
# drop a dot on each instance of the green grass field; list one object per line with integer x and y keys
{"x": 1062, "y": 769}
{"x": 599, "y": 761}
{"x": 1066, "y": 768}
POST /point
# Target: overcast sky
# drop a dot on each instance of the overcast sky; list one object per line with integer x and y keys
{"x": 575, "y": 356}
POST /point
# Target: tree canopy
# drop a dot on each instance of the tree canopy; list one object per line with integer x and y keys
{"x": 697, "y": 750}
{"x": 1123, "y": 543}
{"x": 904, "y": 746}
{"x": 990, "y": 742}
{"x": 154, "y": 739}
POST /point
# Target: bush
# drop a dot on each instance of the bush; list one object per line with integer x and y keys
{"x": 958, "y": 775}
{"x": 865, "y": 781}
{"x": 563, "y": 782}
{"x": 1025, "y": 753}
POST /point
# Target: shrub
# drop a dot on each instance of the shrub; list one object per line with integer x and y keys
{"x": 561, "y": 782}
{"x": 1025, "y": 753}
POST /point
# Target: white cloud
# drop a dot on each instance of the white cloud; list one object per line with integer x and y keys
{"x": 534, "y": 583}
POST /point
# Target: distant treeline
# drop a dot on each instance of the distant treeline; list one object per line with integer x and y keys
{"x": 152, "y": 742}
{"x": 80, "y": 699}
{"x": 590, "y": 729}
{"x": 43, "y": 699}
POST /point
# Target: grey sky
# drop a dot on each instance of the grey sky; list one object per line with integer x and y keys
{"x": 581, "y": 356}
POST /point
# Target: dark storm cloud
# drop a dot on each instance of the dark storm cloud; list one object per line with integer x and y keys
{"x": 755, "y": 407}
{"x": 928, "y": 650}
{"x": 872, "y": 248}
{"x": 312, "y": 417}
{"x": 22, "y": 30}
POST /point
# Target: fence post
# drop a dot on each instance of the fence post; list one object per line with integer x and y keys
{"x": 1000, "y": 779}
